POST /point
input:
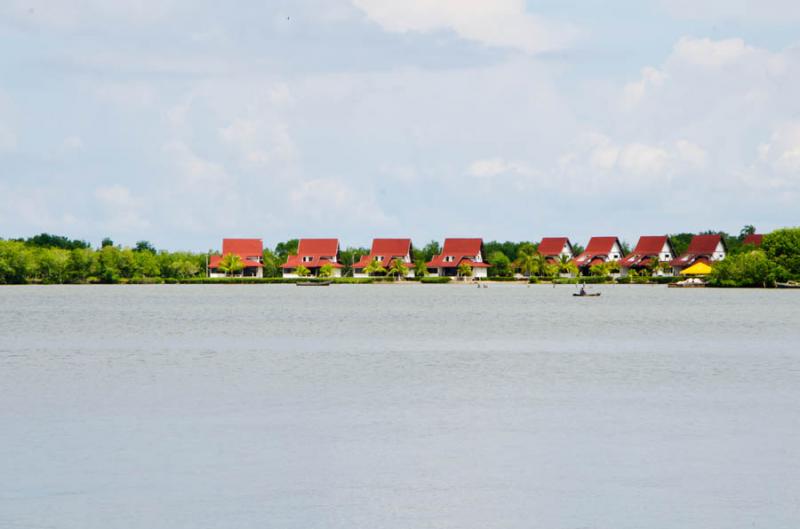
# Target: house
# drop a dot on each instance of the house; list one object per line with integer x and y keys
{"x": 552, "y": 248}
{"x": 650, "y": 249}
{"x": 313, "y": 254}
{"x": 599, "y": 250}
{"x": 754, "y": 239}
{"x": 702, "y": 249}
{"x": 456, "y": 252}
{"x": 250, "y": 251}
{"x": 385, "y": 251}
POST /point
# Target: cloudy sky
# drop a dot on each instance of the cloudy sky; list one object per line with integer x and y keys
{"x": 181, "y": 122}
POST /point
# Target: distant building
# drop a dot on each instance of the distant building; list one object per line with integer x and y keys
{"x": 313, "y": 254}
{"x": 599, "y": 250}
{"x": 649, "y": 249}
{"x": 754, "y": 239}
{"x": 250, "y": 251}
{"x": 552, "y": 248}
{"x": 456, "y": 252}
{"x": 702, "y": 249}
{"x": 385, "y": 251}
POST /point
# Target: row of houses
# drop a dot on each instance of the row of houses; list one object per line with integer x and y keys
{"x": 314, "y": 254}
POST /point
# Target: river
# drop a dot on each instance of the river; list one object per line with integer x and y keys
{"x": 398, "y": 406}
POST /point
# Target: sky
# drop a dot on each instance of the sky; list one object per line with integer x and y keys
{"x": 182, "y": 122}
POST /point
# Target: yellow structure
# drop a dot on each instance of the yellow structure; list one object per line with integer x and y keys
{"x": 697, "y": 269}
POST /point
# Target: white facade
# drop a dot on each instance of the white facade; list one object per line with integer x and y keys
{"x": 666, "y": 253}
{"x": 719, "y": 252}
{"x": 615, "y": 254}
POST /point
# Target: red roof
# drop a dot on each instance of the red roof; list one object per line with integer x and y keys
{"x": 248, "y": 251}
{"x": 704, "y": 244}
{"x": 460, "y": 250}
{"x": 388, "y": 250}
{"x": 318, "y": 252}
{"x": 243, "y": 247}
{"x": 597, "y": 247}
{"x": 753, "y": 239}
{"x": 648, "y": 246}
{"x": 552, "y": 246}
{"x": 700, "y": 246}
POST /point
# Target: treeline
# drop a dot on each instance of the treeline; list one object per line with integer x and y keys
{"x": 777, "y": 260}
{"x": 54, "y": 259}
{"x": 48, "y": 258}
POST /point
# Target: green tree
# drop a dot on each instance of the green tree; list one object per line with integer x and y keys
{"x": 53, "y": 265}
{"x": 46, "y": 240}
{"x": 566, "y": 265}
{"x": 230, "y": 264}
{"x": 272, "y": 262}
{"x": 427, "y": 252}
{"x": 783, "y": 247}
{"x": 286, "y": 248}
{"x": 747, "y": 229}
{"x": 464, "y": 270}
{"x": 600, "y": 269}
{"x": 349, "y": 256}
{"x": 326, "y": 270}
{"x": 374, "y": 268}
{"x": 747, "y": 269}
{"x": 302, "y": 271}
{"x": 529, "y": 260}
{"x": 144, "y": 246}
{"x": 501, "y": 264}
{"x": 106, "y": 242}
{"x": 420, "y": 268}
{"x": 398, "y": 269}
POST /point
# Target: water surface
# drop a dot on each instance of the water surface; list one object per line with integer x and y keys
{"x": 412, "y": 406}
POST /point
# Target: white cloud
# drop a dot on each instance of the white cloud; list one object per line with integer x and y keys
{"x": 691, "y": 153}
{"x": 489, "y": 168}
{"x": 122, "y": 211}
{"x": 334, "y": 202}
{"x": 257, "y": 144}
{"x": 504, "y": 23}
{"x": 651, "y": 78}
{"x": 8, "y": 139}
{"x": 781, "y": 11}
{"x": 710, "y": 53}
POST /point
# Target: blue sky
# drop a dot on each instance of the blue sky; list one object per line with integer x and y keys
{"x": 184, "y": 122}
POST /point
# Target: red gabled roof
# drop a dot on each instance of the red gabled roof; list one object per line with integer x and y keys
{"x": 700, "y": 246}
{"x": 754, "y": 239}
{"x": 597, "y": 247}
{"x": 552, "y": 246}
{"x": 704, "y": 244}
{"x": 648, "y": 246}
{"x": 319, "y": 250}
{"x": 461, "y": 250}
{"x": 243, "y": 247}
{"x": 388, "y": 249}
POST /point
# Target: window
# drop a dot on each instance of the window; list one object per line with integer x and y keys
{"x": 307, "y": 258}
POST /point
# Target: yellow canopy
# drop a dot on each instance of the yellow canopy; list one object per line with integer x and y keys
{"x": 697, "y": 269}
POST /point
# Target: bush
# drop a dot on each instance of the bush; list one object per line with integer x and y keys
{"x": 588, "y": 280}
{"x": 533, "y": 280}
{"x": 434, "y": 280}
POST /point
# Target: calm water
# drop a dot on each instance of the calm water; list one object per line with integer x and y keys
{"x": 398, "y": 407}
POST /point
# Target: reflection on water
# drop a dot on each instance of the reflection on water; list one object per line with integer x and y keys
{"x": 398, "y": 406}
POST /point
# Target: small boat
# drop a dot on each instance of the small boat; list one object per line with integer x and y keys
{"x": 789, "y": 284}
{"x": 593, "y": 295}
{"x": 314, "y": 283}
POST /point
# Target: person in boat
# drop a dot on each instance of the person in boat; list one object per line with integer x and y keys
{"x": 583, "y": 290}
